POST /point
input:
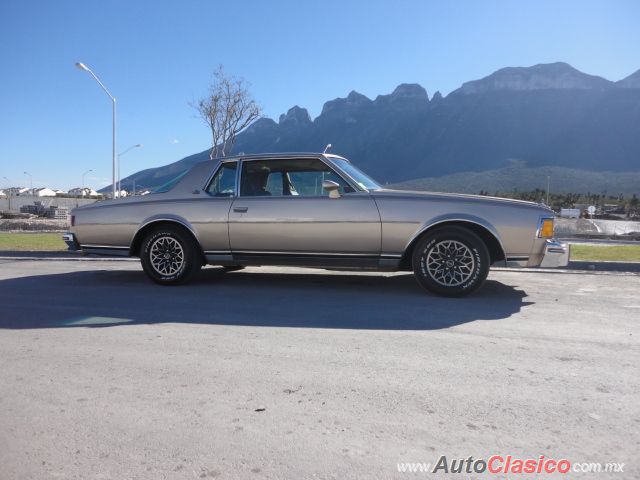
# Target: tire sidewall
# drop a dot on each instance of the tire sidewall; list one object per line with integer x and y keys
{"x": 470, "y": 240}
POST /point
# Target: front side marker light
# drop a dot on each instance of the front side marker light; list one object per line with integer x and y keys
{"x": 546, "y": 228}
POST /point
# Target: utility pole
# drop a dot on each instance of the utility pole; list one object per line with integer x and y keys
{"x": 90, "y": 170}
{"x": 548, "y": 182}
{"x": 8, "y": 191}
{"x": 138, "y": 145}
{"x": 30, "y": 182}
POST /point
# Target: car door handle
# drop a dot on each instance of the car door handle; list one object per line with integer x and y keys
{"x": 240, "y": 209}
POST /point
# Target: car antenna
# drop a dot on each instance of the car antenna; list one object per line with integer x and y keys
{"x": 326, "y": 149}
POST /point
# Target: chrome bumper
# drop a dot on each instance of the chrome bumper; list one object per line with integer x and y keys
{"x": 70, "y": 239}
{"x": 556, "y": 254}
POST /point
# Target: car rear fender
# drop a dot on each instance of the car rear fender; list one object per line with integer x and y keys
{"x": 155, "y": 221}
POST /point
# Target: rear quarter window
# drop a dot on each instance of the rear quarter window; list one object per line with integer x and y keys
{"x": 170, "y": 184}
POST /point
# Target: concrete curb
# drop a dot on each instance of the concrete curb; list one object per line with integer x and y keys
{"x": 622, "y": 268}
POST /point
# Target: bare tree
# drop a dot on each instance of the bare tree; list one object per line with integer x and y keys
{"x": 227, "y": 109}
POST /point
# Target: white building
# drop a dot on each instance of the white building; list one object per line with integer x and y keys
{"x": 80, "y": 192}
{"x": 43, "y": 192}
{"x": 15, "y": 191}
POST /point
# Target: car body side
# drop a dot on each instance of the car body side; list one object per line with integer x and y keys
{"x": 383, "y": 225}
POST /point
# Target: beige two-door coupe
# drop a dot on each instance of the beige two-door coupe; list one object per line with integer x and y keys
{"x": 315, "y": 210}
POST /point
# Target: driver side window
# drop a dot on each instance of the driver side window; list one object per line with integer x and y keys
{"x": 223, "y": 184}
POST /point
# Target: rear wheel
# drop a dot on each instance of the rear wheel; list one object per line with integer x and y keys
{"x": 169, "y": 256}
{"x": 451, "y": 261}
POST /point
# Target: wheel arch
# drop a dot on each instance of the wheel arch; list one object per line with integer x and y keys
{"x": 149, "y": 225}
{"x": 486, "y": 233}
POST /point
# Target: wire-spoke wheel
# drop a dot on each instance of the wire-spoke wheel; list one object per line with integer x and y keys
{"x": 170, "y": 256}
{"x": 167, "y": 256}
{"x": 451, "y": 261}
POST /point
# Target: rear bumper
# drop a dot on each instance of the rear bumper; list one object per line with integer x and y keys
{"x": 556, "y": 254}
{"x": 70, "y": 239}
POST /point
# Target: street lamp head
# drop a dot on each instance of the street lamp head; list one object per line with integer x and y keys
{"x": 139, "y": 145}
{"x": 82, "y": 66}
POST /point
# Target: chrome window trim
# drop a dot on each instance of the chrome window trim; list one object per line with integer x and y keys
{"x": 214, "y": 173}
{"x": 348, "y": 180}
{"x": 336, "y": 167}
{"x": 275, "y": 197}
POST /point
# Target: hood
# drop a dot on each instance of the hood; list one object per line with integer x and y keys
{"x": 458, "y": 197}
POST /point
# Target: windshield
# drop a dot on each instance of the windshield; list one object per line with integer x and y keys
{"x": 362, "y": 179}
{"x": 170, "y": 184}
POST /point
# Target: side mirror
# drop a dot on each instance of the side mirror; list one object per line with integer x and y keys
{"x": 332, "y": 187}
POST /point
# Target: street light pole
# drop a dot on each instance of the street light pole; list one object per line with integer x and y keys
{"x": 8, "y": 192}
{"x": 30, "y": 182}
{"x": 90, "y": 170}
{"x": 137, "y": 145}
{"x": 548, "y": 182}
{"x": 83, "y": 67}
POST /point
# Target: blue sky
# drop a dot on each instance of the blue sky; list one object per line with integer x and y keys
{"x": 156, "y": 56}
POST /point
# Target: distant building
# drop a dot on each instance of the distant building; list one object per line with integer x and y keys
{"x": 82, "y": 192}
{"x": 570, "y": 212}
{"x": 15, "y": 191}
{"x": 43, "y": 192}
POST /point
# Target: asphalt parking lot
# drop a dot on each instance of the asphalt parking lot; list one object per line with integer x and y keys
{"x": 294, "y": 373}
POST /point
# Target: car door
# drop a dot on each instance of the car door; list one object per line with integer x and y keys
{"x": 282, "y": 211}
{"x": 213, "y": 211}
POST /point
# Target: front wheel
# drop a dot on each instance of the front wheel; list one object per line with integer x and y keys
{"x": 451, "y": 261}
{"x": 169, "y": 256}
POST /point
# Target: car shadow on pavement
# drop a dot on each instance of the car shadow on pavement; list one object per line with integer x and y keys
{"x": 317, "y": 299}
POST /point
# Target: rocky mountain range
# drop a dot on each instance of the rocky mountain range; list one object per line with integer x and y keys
{"x": 548, "y": 115}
